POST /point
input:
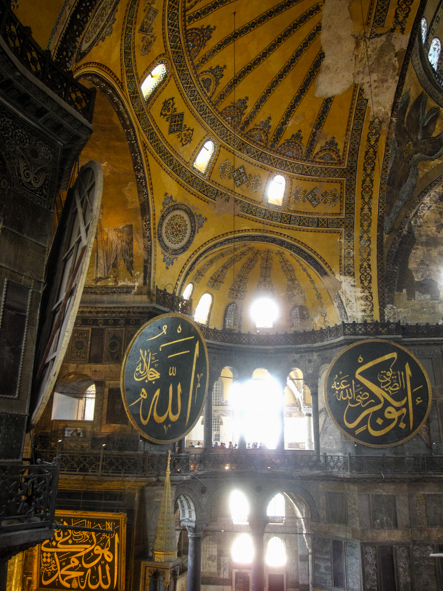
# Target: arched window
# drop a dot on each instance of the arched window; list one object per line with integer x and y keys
{"x": 276, "y": 190}
{"x": 242, "y": 549}
{"x": 232, "y": 317}
{"x": 201, "y": 163}
{"x": 434, "y": 53}
{"x": 276, "y": 508}
{"x": 217, "y": 393}
{"x": 298, "y": 315}
{"x": 74, "y": 398}
{"x": 264, "y": 312}
{"x": 239, "y": 507}
{"x": 276, "y": 552}
{"x": 203, "y": 309}
{"x": 188, "y": 291}
{"x": 153, "y": 79}
{"x": 216, "y": 428}
{"x": 424, "y": 29}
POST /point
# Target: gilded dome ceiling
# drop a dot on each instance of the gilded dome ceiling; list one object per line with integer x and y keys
{"x": 299, "y": 89}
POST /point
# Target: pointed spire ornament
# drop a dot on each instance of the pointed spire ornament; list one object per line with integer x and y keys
{"x": 165, "y": 545}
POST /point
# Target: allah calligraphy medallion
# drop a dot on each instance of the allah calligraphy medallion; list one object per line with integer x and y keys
{"x": 164, "y": 378}
{"x": 378, "y": 393}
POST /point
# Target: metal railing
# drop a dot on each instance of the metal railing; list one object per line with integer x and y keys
{"x": 143, "y": 464}
{"x": 27, "y": 495}
{"x": 40, "y": 63}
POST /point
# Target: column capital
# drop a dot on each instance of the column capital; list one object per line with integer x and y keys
{"x": 258, "y": 524}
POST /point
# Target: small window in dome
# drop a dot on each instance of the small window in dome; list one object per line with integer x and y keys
{"x": 276, "y": 190}
{"x": 276, "y": 552}
{"x": 264, "y": 312}
{"x": 201, "y": 163}
{"x": 424, "y": 29}
{"x": 232, "y": 317}
{"x": 434, "y": 53}
{"x": 203, "y": 309}
{"x": 153, "y": 79}
{"x": 188, "y": 291}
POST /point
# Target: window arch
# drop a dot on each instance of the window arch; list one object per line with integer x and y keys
{"x": 74, "y": 398}
{"x": 276, "y": 190}
{"x": 242, "y": 549}
{"x": 203, "y": 309}
{"x": 153, "y": 79}
{"x": 187, "y": 293}
{"x": 232, "y": 317}
{"x": 238, "y": 507}
{"x": 276, "y": 508}
{"x": 204, "y": 156}
{"x": 434, "y": 53}
{"x": 264, "y": 312}
{"x": 298, "y": 315}
{"x": 424, "y": 29}
{"x": 276, "y": 552}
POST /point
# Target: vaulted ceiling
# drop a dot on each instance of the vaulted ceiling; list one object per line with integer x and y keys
{"x": 326, "y": 94}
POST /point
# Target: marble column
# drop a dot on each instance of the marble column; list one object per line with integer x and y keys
{"x": 213, "y": 377}
{"x": 258, "y": 526}
{"x": 282, "y": 383}
{"x": 312, "y": 383}
{"x": 194, "y": 559}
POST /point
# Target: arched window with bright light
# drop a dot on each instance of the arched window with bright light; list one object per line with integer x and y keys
{"x": 242, "y": 549}
{"x": 188, "y": 291}
{"x": 276, "y": 190}
{"x": 203, "y": 159}
{"x": 424, "y": 29}
{"x": 434, "y": 53}
{"x": 203, "y": 309}
{"x": 264, "y": 312}
{"x": 257, "y": 408}
{"x": 276, "y": 552}
{"x": 153, "y": 79}
{"x": 276, "y": 508}
{"x": 238, "y": 507}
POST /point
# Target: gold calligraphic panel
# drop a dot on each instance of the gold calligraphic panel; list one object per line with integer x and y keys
{"x": 378, "y": 393}
{"x": 81, "y": 559}
{"x": 164, "y": 378}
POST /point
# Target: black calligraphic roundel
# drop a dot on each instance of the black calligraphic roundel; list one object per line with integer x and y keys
{"x": 165, "y": 377}
{"x": 378, "y": 393}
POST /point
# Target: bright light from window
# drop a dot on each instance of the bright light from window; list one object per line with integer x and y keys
{"x": 276, "y": 552}
{"x": 242, "y": 549}
{"x": 239, "y": 507}
{"x": 188, "y": 291}
{"x": 276, "y": 508}
{"x": 276, "y": 190}
{"x": 203, "y": 308}
{"x": 257, "y": 407}
{"x": 264, "y": 312}
{"x": 204, "y": 156}
{"x": 434, "y": 53}
{"x": 153, "y": 79}
{"x": 424, "y": 29}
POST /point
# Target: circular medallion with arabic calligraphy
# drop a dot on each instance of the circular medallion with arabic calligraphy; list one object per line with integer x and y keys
{"x": 378, "y": 393}
{"x": 164, "y": 378}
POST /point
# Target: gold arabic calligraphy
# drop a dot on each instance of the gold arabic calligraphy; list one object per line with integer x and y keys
{"x": 146, "y": 371}
{"x": 377, "y": 405}
{"x": 80, "y": 560}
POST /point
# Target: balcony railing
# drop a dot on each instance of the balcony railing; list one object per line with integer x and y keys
{"x": 27, "y": 496}
{"x": 40, "y": 63}
{"x": 107, "y": 463}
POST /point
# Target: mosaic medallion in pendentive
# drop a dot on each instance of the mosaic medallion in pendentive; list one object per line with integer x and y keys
{"x": 378, "y": 393}
{"x": 176, "y": 229}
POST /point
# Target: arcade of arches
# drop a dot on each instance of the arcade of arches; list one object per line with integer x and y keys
{"x": 274, "y": 171}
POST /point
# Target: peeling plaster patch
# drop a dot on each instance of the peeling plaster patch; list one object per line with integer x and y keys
{"x": 350, "y": 295}
{"x": 377, "y": 67}
{"x": 130, "y": 192}
{"x": 338, "y": 44}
